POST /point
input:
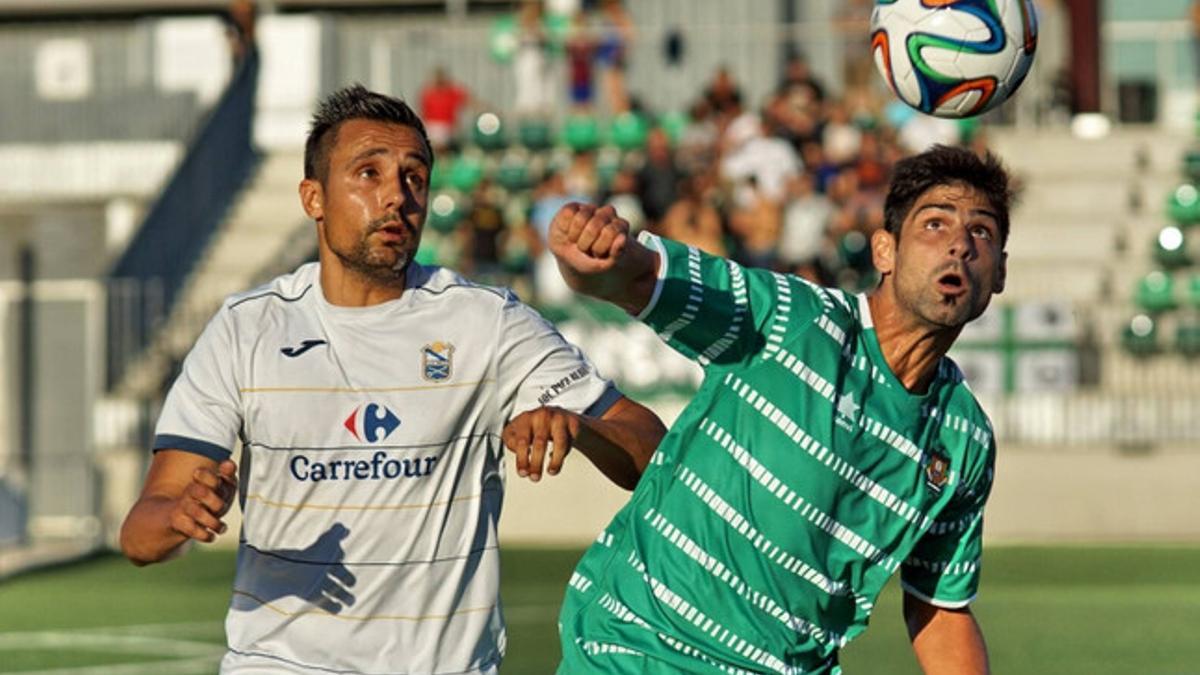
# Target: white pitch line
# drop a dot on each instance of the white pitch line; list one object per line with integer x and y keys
{"x": 197, "y": 666}
{"x": 123, "y": 644}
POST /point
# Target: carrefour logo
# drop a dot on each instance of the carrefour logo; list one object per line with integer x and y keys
{"x": 371, "y": 422}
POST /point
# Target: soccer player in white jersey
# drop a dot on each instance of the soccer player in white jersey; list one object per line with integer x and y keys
{"x": 373, "y": 398}
{"x": 831, "y": 445}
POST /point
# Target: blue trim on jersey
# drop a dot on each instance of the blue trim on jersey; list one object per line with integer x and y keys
{"x": 274, "y": 293}
{"x": 192, "y": 445}
{"x": 610, "y": 396}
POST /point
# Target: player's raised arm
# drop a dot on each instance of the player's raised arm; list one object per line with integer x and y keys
{"x": 184, "y": 498}
{"x": 597, "y": 257}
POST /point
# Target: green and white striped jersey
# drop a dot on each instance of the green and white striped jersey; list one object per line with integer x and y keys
{"x": 797, "y": 481}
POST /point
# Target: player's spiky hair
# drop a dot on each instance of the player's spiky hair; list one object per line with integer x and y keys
{"x": 947, "y": 165}
{"x": 350, "y": 103}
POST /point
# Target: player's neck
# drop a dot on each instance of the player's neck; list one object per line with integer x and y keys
{"x": 912, "y": 349}
{"x": 346, "y": 287}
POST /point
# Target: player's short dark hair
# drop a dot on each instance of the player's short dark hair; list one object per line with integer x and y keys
{"x": 947, "y": 165}
{"x": 351, "y": 103}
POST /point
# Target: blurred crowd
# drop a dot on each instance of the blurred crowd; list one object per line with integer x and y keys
{"x": 793, "y": 182}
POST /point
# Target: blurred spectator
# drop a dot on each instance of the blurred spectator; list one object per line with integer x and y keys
{"x": 693, "y": 219}
{"x": 484, "y": 227}
{"x": 616, "y": 33}
{"x": 532, "y": 94}
{"x": 659, "y": 177}
{"x": 770, "y": 161}
{"x": 806, "y": 217}
{"x": 723, "y": 94}
{"x": 799, "y": 83}
{"x": 623, "y": 196}
{"x": 755, "y": 221}
{"x": 548, "y": 198}
{"x": 871, "y": 164}
{"x": 698, "y": 143}
{"x": 580, "y": 50}
{"x": 922, "y": 132}
{"x": 815, "y": 163}
{"x": 580, "y": 179}
{"x": 441, "y": 101}
{"x": 840, "y": 137}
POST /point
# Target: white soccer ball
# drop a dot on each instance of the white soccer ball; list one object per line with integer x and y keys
{"x": 954, "y": 58}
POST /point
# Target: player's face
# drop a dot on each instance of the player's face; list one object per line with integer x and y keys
{"x": 948, "y": 260}
{"x": 372, "y": 206}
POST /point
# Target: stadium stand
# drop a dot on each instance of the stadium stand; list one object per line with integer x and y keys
{"x": 188, "y": 187}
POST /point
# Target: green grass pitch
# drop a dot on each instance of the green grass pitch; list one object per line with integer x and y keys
{"x": 1044, "y": 610}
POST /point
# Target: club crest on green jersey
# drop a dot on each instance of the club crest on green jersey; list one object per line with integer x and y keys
{"x": 437, "y": 361}
{"x": 937, "y": 471}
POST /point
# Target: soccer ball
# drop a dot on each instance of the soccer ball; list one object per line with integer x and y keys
{"x": 953, "y": 58}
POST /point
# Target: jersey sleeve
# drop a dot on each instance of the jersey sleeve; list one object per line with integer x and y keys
{"x": 536, "y": 366}
{"x": 202, "y": 412}
{"x": 944, "y": 567}
{"x": 714, "y": 311}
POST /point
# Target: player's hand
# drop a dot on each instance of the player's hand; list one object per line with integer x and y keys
{"x": 587, "y": 240}
{"x": 198, "y": 511}
{"x": 529, "y": 434}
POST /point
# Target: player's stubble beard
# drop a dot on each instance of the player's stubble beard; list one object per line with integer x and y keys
{"x": 383, "y": 264}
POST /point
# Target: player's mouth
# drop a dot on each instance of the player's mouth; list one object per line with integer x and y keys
{"x": 952, "y": 284}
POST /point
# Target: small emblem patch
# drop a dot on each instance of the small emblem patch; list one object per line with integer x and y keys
{"x": 437, "y": 361}
{"x": 937, "y": 471}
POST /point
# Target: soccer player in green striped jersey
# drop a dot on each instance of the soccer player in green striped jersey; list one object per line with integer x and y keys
{"x": 832, "y": 444}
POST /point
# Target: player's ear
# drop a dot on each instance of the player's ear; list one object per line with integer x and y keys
{"x": 312, "y": 198}
{"x": 883, "y": 251}
{"x": 1001, "y": 275}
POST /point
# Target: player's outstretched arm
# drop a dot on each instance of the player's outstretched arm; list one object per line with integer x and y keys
{"x": 619, "y": 442}
{"x": 946, "y": 641}
{"x": 184, "y": 498}
{"x": 597, "y": 256}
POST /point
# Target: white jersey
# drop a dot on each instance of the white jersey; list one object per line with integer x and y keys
{"x": 372, "y": 465}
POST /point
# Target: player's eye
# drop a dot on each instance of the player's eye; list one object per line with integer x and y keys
{"x": 982, "y": 231}
{"x": 367, "y": 172}
{"x": 934, "y": 224}
{"x": 416, "y": 181}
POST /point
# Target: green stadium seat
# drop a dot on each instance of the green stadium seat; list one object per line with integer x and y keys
{"x": 1140, "y": 336}
{"x": 1191, "y": 165}
{"x": 1183, "y": 205}
{"x": 581, "y": 133}
{"x": 445, "y": 212}
{"x": 608, "y": 163}
{"x": 854, "y": 250}
{"x": 1193, "y": 290}
{"x": 514, "y": 173}
{"x": 1187, "y": 338}
{"x": 439, "y": 177}
{"x": 1156, "y": 292}
{"x": 629, "y": 131}
{"x": 535, "y": 134}
{"x": 1170, "y": 248}
{"x": 466, "y": 173}
{"x": 674, "y": 124}
{"x": 488, "y": 132}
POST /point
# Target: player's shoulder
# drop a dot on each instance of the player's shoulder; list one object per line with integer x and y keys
{"x": 282, "y": 291}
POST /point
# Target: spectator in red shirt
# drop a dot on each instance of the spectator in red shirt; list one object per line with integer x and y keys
{"x": 441, "y": 101}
